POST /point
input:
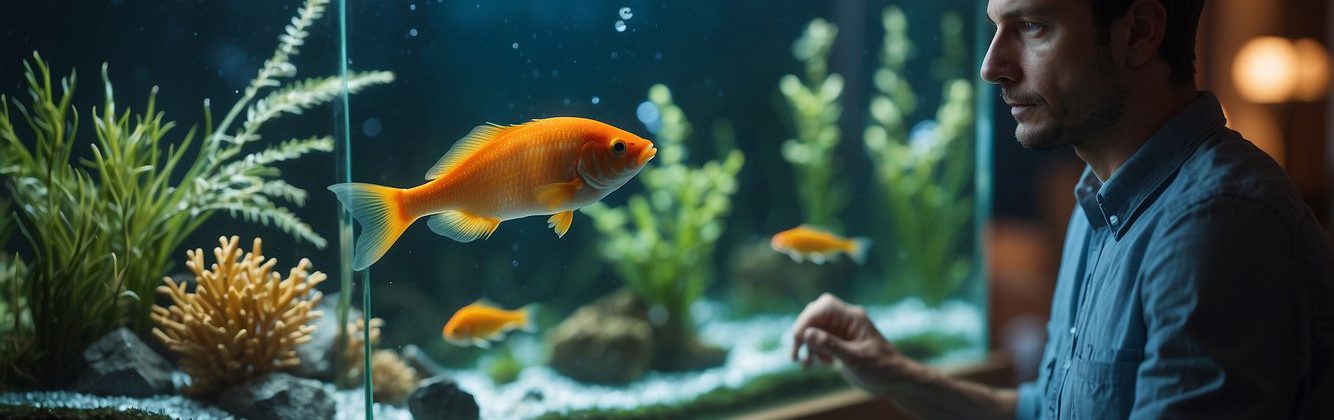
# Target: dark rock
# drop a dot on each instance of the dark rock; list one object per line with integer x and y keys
{"x": 278, "y": 396}
{"x": 121, "y": 364}
{"x": 593, "y": 346}
{"x": 441, "y": 398}
{"x": 622, "y": 302}
{"x": 766, "y": 281}
{"x": 534, "y": 395}
{"x": 419, "y": 360}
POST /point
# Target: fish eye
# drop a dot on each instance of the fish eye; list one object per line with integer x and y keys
{"x": 617, "y": 147}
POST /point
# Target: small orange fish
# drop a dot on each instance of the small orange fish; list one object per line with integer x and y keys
{"x": 479, "y": 323}
{"x": 811, "y": 243}
{"x": 551, "y": 166}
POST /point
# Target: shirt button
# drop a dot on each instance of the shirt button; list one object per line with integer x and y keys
{"x": 1114, "y": 220}
{"x": 1067, "y": 365}
{"x": 1072, "y": 330}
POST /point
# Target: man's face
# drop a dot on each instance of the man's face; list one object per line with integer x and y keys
{"x": 1053, "y": 70}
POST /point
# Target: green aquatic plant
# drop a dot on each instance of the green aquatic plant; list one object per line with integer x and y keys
{"x": 100, "y": 230}
{"x": 813, "y": 103}
{"x": 925, "y": 176}
{"x": 15, "y": 320}
{"x": 662, "y": 242}
{"x": 504, "y": 367}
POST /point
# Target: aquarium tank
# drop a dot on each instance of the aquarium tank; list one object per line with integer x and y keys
{"x": 445, "y": 209}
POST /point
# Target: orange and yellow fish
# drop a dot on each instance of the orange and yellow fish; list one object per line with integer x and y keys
{"x": 496, "y": 173}
{"x": 479, "y": 323}
{"x": 810, "y": 243}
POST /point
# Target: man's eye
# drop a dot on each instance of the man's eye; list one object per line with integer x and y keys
{"x": 1030, "y": 28}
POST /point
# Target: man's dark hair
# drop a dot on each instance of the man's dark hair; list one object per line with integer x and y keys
{"x": 1178, "y": 48}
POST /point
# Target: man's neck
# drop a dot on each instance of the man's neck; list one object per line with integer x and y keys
{"x": 1146, "y": 112}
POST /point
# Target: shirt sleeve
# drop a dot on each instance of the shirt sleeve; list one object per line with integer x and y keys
{"x": 1029, "y": 405}
{"x": 1223, "y": 314}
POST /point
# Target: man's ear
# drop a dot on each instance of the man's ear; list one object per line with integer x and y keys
{"x": 1146, "y": 21}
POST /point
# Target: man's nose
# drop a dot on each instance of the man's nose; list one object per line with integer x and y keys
{"x": 999, "y": 65}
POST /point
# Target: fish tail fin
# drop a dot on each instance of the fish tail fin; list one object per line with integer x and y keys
{"x": 858, "y": 251}
{"x": 380, "y": 212}
{"x": 526, "y": 322}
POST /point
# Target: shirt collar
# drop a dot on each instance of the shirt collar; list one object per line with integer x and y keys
{"x": 1138, "y": 181}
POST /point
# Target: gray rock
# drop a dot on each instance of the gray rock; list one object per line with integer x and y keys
{"x": 317, "y": 356}
{"x": 419, "y": 360}
{"x": 441, "y": 398}
{"x": 278, "y": 396}
{"x": 121, "y": 364}
{"x": 595, "y": 346}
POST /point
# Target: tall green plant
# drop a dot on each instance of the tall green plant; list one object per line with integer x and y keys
{"x": 925, "y": 177}
{"x": 665, "y": 253}
{"x": 15, "y": 320}
{"x": 101, "y": 231}
{"x": 813, "y": 103}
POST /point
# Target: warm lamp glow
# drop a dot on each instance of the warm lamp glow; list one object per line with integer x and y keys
{"x": 1265, "y": 70}
{"x": 1312, "y": 70}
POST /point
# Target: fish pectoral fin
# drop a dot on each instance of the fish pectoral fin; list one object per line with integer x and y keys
{"x": 461, "y": 226}
{"x": 817, "y": 258}
{"x": 555, "y": 194}
{"x": 481, "y": 342}
{"x": 561, "y": 222}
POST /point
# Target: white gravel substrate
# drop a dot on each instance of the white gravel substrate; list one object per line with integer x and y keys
{"x": 748, "y": 358}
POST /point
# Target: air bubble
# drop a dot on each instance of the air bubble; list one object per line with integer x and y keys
{"x": 620, "y": 26}
{"x": 626, "y": 13}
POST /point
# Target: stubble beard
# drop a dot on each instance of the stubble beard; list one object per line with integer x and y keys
{"x": 1091, "y": 105}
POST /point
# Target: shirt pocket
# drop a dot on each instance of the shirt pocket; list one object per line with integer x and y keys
{"x": 1101, "y": 384}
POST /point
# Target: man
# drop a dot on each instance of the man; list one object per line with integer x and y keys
{"x": 1194, "y": 281}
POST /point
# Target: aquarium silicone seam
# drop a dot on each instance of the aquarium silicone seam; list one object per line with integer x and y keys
{"x": 347, "y": 177}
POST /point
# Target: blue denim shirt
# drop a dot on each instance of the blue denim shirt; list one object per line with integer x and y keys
{"x": 1194, "y": 283}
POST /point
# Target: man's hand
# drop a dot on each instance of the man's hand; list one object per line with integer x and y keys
{"x": 832, "y": 329}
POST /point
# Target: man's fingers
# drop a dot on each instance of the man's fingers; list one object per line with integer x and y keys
{"x": 821, "y": 342}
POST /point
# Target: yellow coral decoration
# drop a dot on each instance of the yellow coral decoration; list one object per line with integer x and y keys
{"x": 355, "y": 352}
{"x": 243, "y": 320}
{"x": 391, "y": 377}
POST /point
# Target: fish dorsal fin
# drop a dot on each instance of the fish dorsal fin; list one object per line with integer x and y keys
{"x": 476, "y": 139}
{"x": 484, "y": 302}
{"x": 814, "y": 228}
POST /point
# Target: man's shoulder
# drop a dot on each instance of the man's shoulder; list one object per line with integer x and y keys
{"x": 1228, "y": 170}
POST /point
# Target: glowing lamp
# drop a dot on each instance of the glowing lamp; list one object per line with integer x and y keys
{"x": 1312, "y": 70}
{"x": 1265, "y": 70}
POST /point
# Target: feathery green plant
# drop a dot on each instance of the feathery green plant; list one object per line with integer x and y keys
{"x": 664, "y": 253}
{"x": 924, "y": 178}
{"x": 101, "y": 231}
{"x": 813, "y": 103}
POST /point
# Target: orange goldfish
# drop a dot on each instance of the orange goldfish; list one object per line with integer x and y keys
{"x": 479, "y": 323}
{"x": 810, "y": 243}
{"x": 496, "y": 173}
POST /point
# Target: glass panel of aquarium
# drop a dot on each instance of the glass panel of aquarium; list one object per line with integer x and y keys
{"x": 168, "y": 240}
{"x": 570, "y": 208}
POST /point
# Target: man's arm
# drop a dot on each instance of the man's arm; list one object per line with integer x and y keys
{"x": 832, "y": 329}
{"x": 1225, "y": 315}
